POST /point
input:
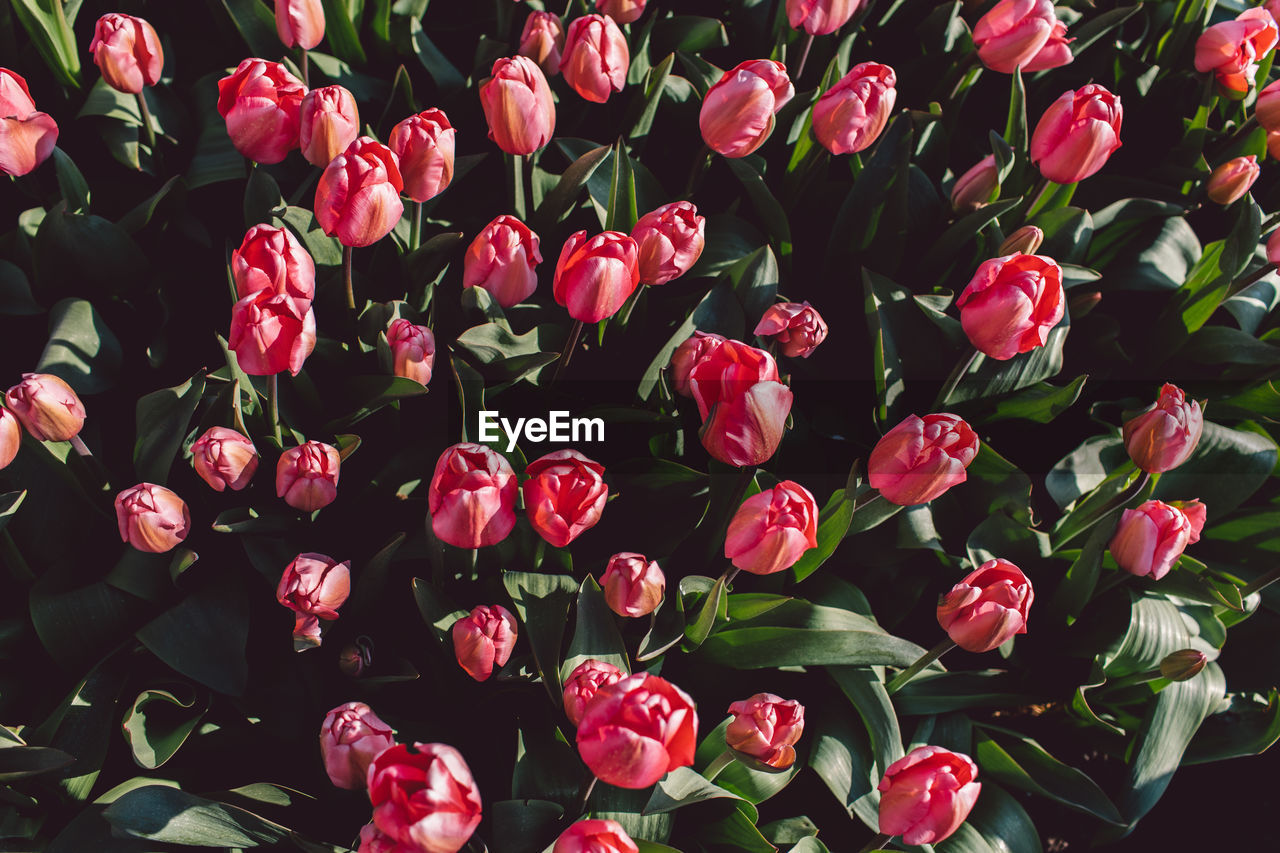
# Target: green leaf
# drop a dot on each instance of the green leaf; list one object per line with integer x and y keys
{"x": 961, "y": 235}
{"x": 162, "y": 418}
{"x": 165, "y": 814}
{"x": 867, "y": 693}
{"x": 542, "y": 602}
{"x": 1015, "y": 127}
{"x": 257, "y": 24}
{"x": 1155, "y": 629}
{"x": 833, "y": 524}
{"x": 1248, "y": 726}
{"x": 840, "y": 754}
{"x": 1019, "y": 761}
{"x": 736, "y": 831}
{"x": 766, "y": 647}
{"x": 9, "y": 503}
{"x": 684, "y": 787}
{"x": 160, "y": 721}
{"x": 712, "y": 610}
{"x": 15, "y": 292}
{"x": 50, "y": 32}
{"x": 997, "y": 824}
{"x": 943, "y": 692}
{"x": 216, "y": 158}
{"x": 622, "y": 209}
{"x": 718, "y": 312}
{"x": 85, "y": 255}
{"x": 595, "y": 633}
{"x": 204, "y": 637}
{"x": 507, "y": 356}
{"x": 525, "y": 826}
{"x": 22, "y": 762}
{"x": 340, "y": 32}
{"x": 1040, "y": 403}
{"x": 690, "y": 33}
{"x": 81, "y": 349}
{"x": 750, "y": 173}
{"x": 1226, "y": 468}
{"x": 72, "y": 185}
{"x": 557, "y": 203}
{"x": 442, "y": 71}
{"x": 655, "y": 83}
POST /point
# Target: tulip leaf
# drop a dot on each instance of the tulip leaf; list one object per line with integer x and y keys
{"x": 86, "y": 255}
{"x": 340, "y": 32}
{"x": 1015, "y": 127}
{"x": 81, "y": 349}
{"x": 684, "y": 787}
{"x": 1247, "y": 726}
{"x": 840, "y": 753}
{"x": 216, "y": 158}
{"x": 525, "y": 826}
{"x": 1022, "y": 763}
{"x": 691, "y": 33}
{"x": 833, "y": 523}
{"x": 15, "y": 292}
{"x": 595, "y": 633}
{"x": 712, "y": 608}
{"x": 447, "y": 78}
{"x": 1091, "y": 31}
{"x": 943, "y": 692}
{"x": 655, "y": 85}
{"x": 160, "y": 721}
{"x": 766, "y": 647}
{"x": 161, "y": 813}
{"x": 867, "y": 693}
{"x": 506, "y": 356}
{"x": 22, "y": 762}
{"x": 719, "y": 312}
{"x": 736, "y": 831}
{"x": 162, "y": 418}
{"x": 49, "y": 30}
{"x": 557, "y": 203}
{"x": 622, "y": 211}
{"x": 1040, "y": 403}
{"x": 755, "y": 281}
{"x": 204, "y": 637}
{"x": 256, "y": 24}
{"x": 750, "y": 173}
{"x": 997, "y": 824}
{"x": 542, "y": 602}
{"x": 811, "y": 844}
{"x": 1225, "y": 469}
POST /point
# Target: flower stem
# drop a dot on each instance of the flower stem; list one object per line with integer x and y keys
{"x": 1259, "y": 584}
{"x": 346, "y": 277}
{"x": 80, "y": 446}
{"x": 306, "y": 69}
{"x": 273, "y": 405}
{"x": 700, "y": 163}
{"x": 625, "y": 314}
{"x": 717, "y": 765}
{"x": 1272, "y": 221}
{"x": 1246, "y": 280}
{"x": 804, "y": 57}
{"x": 729, "y": 574}
{"x": 584, "y": 794}
{"x": 415, "y": 227}
{"x": 957, "y": 373}
{"x": 146, "y": 121}
{"x": 901, "y": 679}
{"x": 877, "y": 843}
{"x": 568, "y": 350}
{"x": 1118, "y": 501}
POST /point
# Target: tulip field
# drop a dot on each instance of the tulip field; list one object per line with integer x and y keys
{"x": 639, "y": 426}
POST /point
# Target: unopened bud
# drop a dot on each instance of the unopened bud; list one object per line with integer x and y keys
{"x": 1025, "y": 240}
{"x": 356, "y": 657}
{"x": 1183, "y": 665}
{"x": 976, "y": 187}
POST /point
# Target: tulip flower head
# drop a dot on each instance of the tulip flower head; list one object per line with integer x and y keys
{"x": 1233, "y": 49}
{"x": 224, "y": 459}
{"x": 413, "y": 350}
{"x": 988, "y": 607}
{"x": 927, "y": 794}
{"x": 472, "y": 496}
{"x": 424, "y": 144}
{"x": 483, "y": 640}
{"x": 633, "y": 585}
{"x": 622, "y": 11}
{"x": 47, "y": 406}
{"x": 1077, "y": 134}
{"x": 152, "y": 518}
{"x": 424, "y": 797}
{"x": 542, "y": 40}
{"x": 300, "y": 23}
{"x": 313, "y": 586}
{"x": 765, "y": 729}
{"x": 307, "y": 476}
{"x": 772, "y": 529}
{"x": 272, "y": 332}
{"x": 262, "y": 105}
{"x": 564, "y": 495}
{"x": 352, "y": 736}
{"x": 976, "y": 187}
{"x": 1022, "y": 34}
{"x": 518, "y": 105}
{"x": 669, "y": 240}
{"x": 329, "y": 122}
{"x": 596, "y": 57}
{"x": 1011, "y": 304}
{"x": 358, "y": 196}
{"x": 738, "y": 111}
{"x": 595, "y": 275}
{"x": 687, "y": 355}
{"x": 1024, "y": 241}
{"x": 10, "y": 437}
{"x": 503, "y": 260}
{"x": 743, "y": 404}
{"x": 1151, "y": 537}
{"x": 798, "y": 327}
{"x": 921, "y": 458}
{"x": 850, "y": 115}
{"x": 637, "y": 730}
{"x": 27, "y": 136}
{"x": 272, "y": 259}
{"x": 820, "y": 17}
{"x": 1267, "y": 106}
{"x": 127, "y": 51}
{"x": 1161, "y": 438}
{"x": 595, "y": 836}
{"x": 583, "y": 683}
{"x": 1231, "y": 180}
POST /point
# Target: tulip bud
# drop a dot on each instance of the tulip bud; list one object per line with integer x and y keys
{"x": 413, "y": 349}
{"x": 424, "y": 798}
{"x": 1267, "y": 107}
{"x": 1024, "y": 241}
{"x": 687, "y": 355}
{"x": 10, "y": 437}
{"x": 737, "y": 112}
{"x": 1273, "y": 144}
{"x": 483, "y": 640}
{"x": 637, "y": 730}
{"x": 797, "y": 326}
{"x": 976, "y": 187}
{"x": 330, "y": 121}
{"x": 262, "y": 105}
{"x": 1022, "y": 34}
{"x": 927, "y": 794}
{"x": 273, "y": 259}
{"x": 596, "y": 57}
{"x": 472, "y": 497}
{"x": 271, "y": 333}
{"x": 1232, "y": 50}
{"x": 1150, "y": 539}
{"x": 633, "y": 585}
{"x": 622, "y": 11}
{"x": 47, "y": 407}
{"x": 669, "y": 241}
{"x": 224, "y": 458}
{"x": 1077, "y": 134}
{"x": 820, "y": 17}
{"x": 1273, "y": 247}
{"x": 1011, "y": 304}
{"x": 583, "y": 683}
{"x": 151, "y": 518}
{"x": 596, "y": 275}
{"x": 765, "y": 729}
{"x": 851, "y": 114}
{"x": 355, "y": 658}
{"x": 595, "y": 836}
{"x": 1232, "y": 179}
{"x": 313, "y": 586}
{"x": 1161, "y": 438}
{"x": 1183, "y": 665}
{"x": 542, "y": 40}
{"x": 518, "y": 105}
{"x": 127, "y": 52}
{"x": 921, "y": 458}
{"x": 307, "y": 476}
{"x": 773, "y": 529}
{"x": 988, "y": 607}
{"x": 358, "y": 197}
{"x": 300, "y": 23}
{"x": 423, "y": 143}
{"x": 564, "y": 495}
{"x": 503, "y": 259}
{"x": 27, "y": 136}
{"x": 351, "y": 736}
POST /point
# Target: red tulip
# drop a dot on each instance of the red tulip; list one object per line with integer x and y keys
{"x": 669, "y": 241}
{"x": 10, "y": 437}
{"x": 633, "y": 585}
{"x": 765, "y": 728}
{"x": 596, "y": 57}
{"x": 797, "y": 326}
{"x": 687, "y": 356}
{"x": 27, "y": 136}
{"x": 271, "y": 333}
{"x": 47, "y": 407}
{"x": 518, "y": 105}
{"x": 272, "y": 259}
{"x": 1232, "y": 179}
{"x": 988, "y": 607}
{"x": 622, "y": 11}
{"x": 1077, "y": 134}
{"x": 127, "y": 51}
{"x": 564, "y": 495}
{"x": 152, "y": 518}
{"x": 1161, "y": 438}
{"x": 820, "y": 17}
{"x": 595, "y": 836}
{"x": 737, "y": 112}
{"x": 975, "y": 187}
{"x": 1022, "y": 34}
{"x": 1233, "y": 49}
{"x": 330, "y": 121}
{"x": 424, "y": 797}
{"x": 637, "y": 730}
{"x": 1011, "y": 303}
{"x": 423, "y": 143}
{"x": 374, "y": 840}
{"x": 503, "y": 260}
{"x": 542, "y": 40}
{"x": 921, "y": 458}
{"x": 358, "y": 197}
{"x": 1273, "y": 247}
{"x": 483, "y": 640}
{"x": 851, "y": 114}
{"x": 1267, "y": 107}
{"x": 224, "y": 459}
{"x": 413, "y": 350}
{"x": 1150, "y": 539}
{"x": 313, "y": 586}
{"x": 595, "y": 275}
{"x": 472, "y": 497}
{"x": 307, "y": 476}
{"x": 583, "y": 683}
{"x": 351, "y": 736}
{"x": 772, "y": 529}
{"x": 927, "y": 794}
{"x": 743, "y": 405}
{"x": 300, "y": 23}
{"x": 262, "y": 105}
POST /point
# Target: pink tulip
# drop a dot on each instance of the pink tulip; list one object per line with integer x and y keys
{"x": 1150, "y": 539}
{"x": 637, "y": 730}
{"x": 273, "y": 259}
{"x": 1267, "y": 106}
{"x": 975, "y": 187}
{"x": 272, "y": 332}
{"x": 743, "y": 405}
{"x": 596, "y": 57}
{"x": 352, "y": 736}
{"x": 851, "y": 114}
{"x": 772, "y": 529}
{"x": 797, "y": 326}
{"x": 595, "y": 836}
{"x": 542, "y": 40}
{"x": 582, "y": 684}
{"x": 1024, "y": 241}
{"x": 503, "y": 259}
{"x": 1233, "y": 49}
{"x": 313, "y": 586}
{"x": 307, "y": 476}
{"x": 1273, "y": 247}
{"x": 472, "y": 497}
{"x": 151, "y": 518}
{"x": 1077, "y": 134}
{"x": 423, "y": 143}
{"x": 262, "y": 105}
{"x": 669, "y": 241}
{"x": 1161, "y": 438}
{"x": 27, "y": 136}
{"x": 633, "y": 585}
{"x": 224, "y": 459}
{"x": 595, "y": 275}
{"x": 518, "y": 105}
{"x": 358, "y": 197}
{"x": 10, "y": 437}
{"x": 1231, "y": 180}
{"x": 988, "y": 607}
{"x": 820, "y": 17}
{"x": 564, "y": 495}
{"x": 330, "y": 121}
{"x": 1011, "y": 304}
{"x": 622, "y": 11}
{"x": 1022, "y": 34}
{"x": 47, "y": 406}
{"x": 765, "y": 728}
{"x": 921, "y": 458}
{"x": 424, "y": 797}
{"x": 374, "y": 840}
{"x": 300, "y": 23}
{"x": 927, "y": 794}
{"x": 738, "y": 111}
{"x": 413, "y": 350}
{"x": 127, "y": 51}
{"x": 483, "y": 640}
{"x": 687, "y": 356}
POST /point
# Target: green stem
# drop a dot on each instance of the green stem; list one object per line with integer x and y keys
{"x": 720, "y": 762}
{"x": 877, "y": 843}
{"x": 584, "y": 794}
{"x": 146, "y": 121}
{"x": 306, "y": 69}
{"x": 1259, "y": 584}
{"x": 346, "y": 277}
{"x": 1118, "y": 501}
{"x": 14, "y": 559}
{"x": 515, "y": 174}
{"x": 901, "y": 679}
{"x": 415, "y": 227}
{"x": 80, "y": 446}
{"x": 957, "y": 373}
{"x": 526, "y": 177}
{"x": 700, "y": 163}
{"x": 804, "y": 57}
{"x": 273, "y": 406}
{"x": 1244, "y": 281}
{"x": 729, "y": 574}
{"x": 1272, "y": 221}
{"x": 568, "y": 350}
{"x": 625, "y": 314}
{"x": 1035, "y": 196}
